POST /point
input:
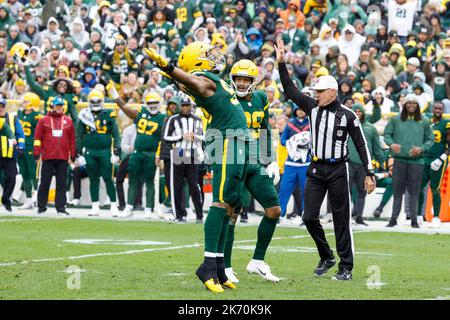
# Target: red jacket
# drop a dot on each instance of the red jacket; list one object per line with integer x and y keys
{"x": 47, "y": 140}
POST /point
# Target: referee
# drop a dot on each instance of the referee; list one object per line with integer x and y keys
{"x": 331, "y": 125}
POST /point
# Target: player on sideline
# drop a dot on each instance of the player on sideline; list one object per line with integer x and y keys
{"x": 198, "y": 64}
{"x": 259, "y": 183}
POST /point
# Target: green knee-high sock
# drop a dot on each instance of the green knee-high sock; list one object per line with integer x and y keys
{"x": 223, "y": 235}
{"x": 212, "y": 229}
{"x": 229, "y": 245}
{"x": 150, "y": 194}
{"x": 265, "y": 232}
{"x": 133, "y": 185}
{"x": 94, "y": 187}
{"x": 436, "y": 202}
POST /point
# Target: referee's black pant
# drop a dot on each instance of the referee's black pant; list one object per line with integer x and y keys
{"x": 50, "y": 168}
{"x": 323, "y": 177}
{"x": 190, "y": 173}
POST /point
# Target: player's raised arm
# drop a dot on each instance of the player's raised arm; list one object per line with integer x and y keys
{"x": 113, "y": 94}
{"x": 198, "y": 85}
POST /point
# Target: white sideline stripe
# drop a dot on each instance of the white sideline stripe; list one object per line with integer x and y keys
{"x": 6, "y": 264}
{"x": 20, "y": 220}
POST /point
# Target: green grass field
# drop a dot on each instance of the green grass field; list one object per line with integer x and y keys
{"x": 34, "y": 256}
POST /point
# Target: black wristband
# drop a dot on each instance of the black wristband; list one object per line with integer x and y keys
{"x": 370, "y": 173}
{"x": 168, "y": 69}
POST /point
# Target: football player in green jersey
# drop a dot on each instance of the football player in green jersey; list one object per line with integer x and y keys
{"x": 189, "y": 16}
{"x": 29, "y": 118}
{"x": 436, "y": 160}
{"x": 95, "y": 129}
{"x": 226, "y": 147}
{"x": 149, "y": 123}
{"x": 259, "y": 183}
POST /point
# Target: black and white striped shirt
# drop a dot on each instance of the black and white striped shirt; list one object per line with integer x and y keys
{"x": 177, "y": 126}
{"x": 331, "y": 126}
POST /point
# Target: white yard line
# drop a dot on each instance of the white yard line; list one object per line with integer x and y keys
{"x": 102, "y": 254}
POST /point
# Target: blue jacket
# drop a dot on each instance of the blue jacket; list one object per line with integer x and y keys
{"x": 88, "y": 86}
{"x": 289, "y": 131}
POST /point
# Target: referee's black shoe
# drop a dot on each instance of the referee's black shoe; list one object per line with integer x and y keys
{"x": 324, "y": 266}
{"x": 392, "y": 223}
{"x": 342, "y": 275}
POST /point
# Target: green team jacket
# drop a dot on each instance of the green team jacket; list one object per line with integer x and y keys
{"x": 371, "y": 135}
{"x": 48, "y": 94}
{"x": 409, "y": 133}
{"x": 101, "y": 137}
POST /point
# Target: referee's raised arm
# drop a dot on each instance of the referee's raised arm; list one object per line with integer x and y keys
{"x": 305, "y": 102}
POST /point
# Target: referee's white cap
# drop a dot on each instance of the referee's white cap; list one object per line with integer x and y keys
{"x": 325, "y": 82}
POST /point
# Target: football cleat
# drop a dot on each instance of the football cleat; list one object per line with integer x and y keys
{"x": 231, "y": 275}
{"x": 74, "y": 202}
{"x": 148, "y": 213}
{"x": 435, "y": 223}
{"x": 114, "y": 209}
{"x": 95, "y": 210}
{"x": 209, "y": 278}
{"x": 128, "y": 212}
{"x": 27, "y": 205}
{"x": 263, "y": 269}
{"x": 228, "y": 285}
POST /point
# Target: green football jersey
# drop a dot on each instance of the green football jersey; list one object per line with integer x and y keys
{"x": 29, "y": 123}
{"x": 257, "y": 114}
{"x": 148, "y": 130}
{"x": 101, "y": 137}
{"x": 159, "y": 31}
{"x": 223, "y": 107}
{"x": 440, "y": 130}
{"x": 187, "y": 12}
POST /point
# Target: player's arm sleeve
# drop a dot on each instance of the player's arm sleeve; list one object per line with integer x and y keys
{"x": 428, "y": 140}
{"x": 20, "y": 135}
{"x": 378, "y": 153}
{"x": 389, "y": 133}
{"x": 303, "y": 101}
{"x": 79, "y": 135}
{"x": 357, "y": 135}
{"x": 73, "y": 108}
{"x": 34, "y": 86}
{"x": 115, "y": 133}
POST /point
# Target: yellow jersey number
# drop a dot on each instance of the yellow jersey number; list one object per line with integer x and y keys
{"x": 254, "y": 119}
{"x": 228, "y": 89}
{"x": 182, "y": 14}
{"x": 145, "y": 126}
{"x": 26, "y": 128}
{"x": 437, "y": 136}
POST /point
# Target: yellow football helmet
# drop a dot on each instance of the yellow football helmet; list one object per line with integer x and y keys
{"x": 96, "y": 100}
{"x": 153, "y": 102}
{"x": 31, "y": 101}
{"x": 199, "y": 56}
{"x": 244, "y": 68}
{"x": 19, "y": 51}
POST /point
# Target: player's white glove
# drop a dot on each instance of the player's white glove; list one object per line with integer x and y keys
{"x": 273, "y": 171}
{"x": 111, "y": 89}
{"x": 114, "y": 159}
{"x": 437, "y": 164}
{"x": 80, "y": 161}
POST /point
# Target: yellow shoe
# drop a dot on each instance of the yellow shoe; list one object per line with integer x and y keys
{"x": 212, "y": 286}
{"x": 229, "y": 285}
